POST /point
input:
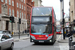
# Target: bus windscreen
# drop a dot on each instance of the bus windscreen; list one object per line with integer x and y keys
{"x": 41, "y": 29}
{"x": 42, "y": 11}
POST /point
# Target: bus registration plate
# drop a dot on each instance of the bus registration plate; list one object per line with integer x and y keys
{"x": 41, "y": 41}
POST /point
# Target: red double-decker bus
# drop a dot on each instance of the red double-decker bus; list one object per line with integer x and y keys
{"x": 42, "y": 25}
{"x": 58, "y": 29}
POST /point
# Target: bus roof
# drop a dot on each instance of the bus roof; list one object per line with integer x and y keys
{"x": 43, "y": 11}
{"x": 41, "y": 6}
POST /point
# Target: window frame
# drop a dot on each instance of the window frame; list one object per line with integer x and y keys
{"x": 6, "y": 1}
{"x": 24, "y": 1}
{"x": 17, "y": 13}
{"x": 17, "y": 5}
{"x": 22, "y": 6}
{"x": 13, "y": 12}
{"x": 12, "y": 3}
{"x": 2, "y": 0}
{"x": 9, "y": 11}
{"x": 22, "y": 15}
{"x": 9, "y": 2}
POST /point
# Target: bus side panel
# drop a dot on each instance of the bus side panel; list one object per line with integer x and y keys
{"x": 30, "y": 22}
{"x": 54, "y": 34}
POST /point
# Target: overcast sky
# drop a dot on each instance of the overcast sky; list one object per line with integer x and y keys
{"x": 56, "y": 5}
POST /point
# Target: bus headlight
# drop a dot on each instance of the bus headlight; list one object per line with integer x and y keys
{"x": 49, "y": 37}
{"x": 32, "y": 37}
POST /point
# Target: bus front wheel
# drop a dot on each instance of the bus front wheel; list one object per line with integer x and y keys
{"x": 53, "y": 42}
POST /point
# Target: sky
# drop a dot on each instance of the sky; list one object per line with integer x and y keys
{"x": 56, "y": 5}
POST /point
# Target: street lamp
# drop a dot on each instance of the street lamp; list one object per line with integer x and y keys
{"x": 62, "y": 2}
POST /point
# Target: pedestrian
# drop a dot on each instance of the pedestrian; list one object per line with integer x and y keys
{"x": 62, "y": 31}
{"x": 28, "y": 31}
{"x": 66, "y": 33}
{"x": 25, "y": 31}
{"x": 74, "y": 30}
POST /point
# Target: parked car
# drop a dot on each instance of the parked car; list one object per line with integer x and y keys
{"x": 5, "y": 32}
{"x": 6, "y": 40}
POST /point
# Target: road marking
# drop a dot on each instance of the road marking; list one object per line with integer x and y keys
{"x": 59, "y": 37}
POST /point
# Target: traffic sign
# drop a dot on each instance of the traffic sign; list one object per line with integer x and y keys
{"x": 67, "y": 24}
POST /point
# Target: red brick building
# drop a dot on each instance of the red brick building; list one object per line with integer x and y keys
{"x": 29, "y": 5}
{"x": 19, "y": 9}
{"x": 16, "y": 7}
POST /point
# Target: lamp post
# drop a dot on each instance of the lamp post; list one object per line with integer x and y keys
{"x": 62, "y": 4}
{"x": 19, "y": 26}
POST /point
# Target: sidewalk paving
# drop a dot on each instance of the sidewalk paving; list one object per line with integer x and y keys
{"x": 66, "y": 40}
{"x": 61, "y": 40}
{"x": 64, "y": 44}
{"x": 22, "y": 37}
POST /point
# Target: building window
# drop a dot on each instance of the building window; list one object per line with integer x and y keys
{"x": 22, "y": 15}
{"x": 17, "y": 14}
{"x": 22, "y": 6}
{"x": 2, "y": 0}
{"x": 12, "y": 3}
{"x": 17, "y": 26}
{"x": 13, "y": 12}
{"x": 24, "y": 1}
{"x": 9, "y": 12}
{"x": 17, "y": 4}
{"x": 6, "y": 1}
{"x": 32, "y": 0}
{"x": 9, "y": 2}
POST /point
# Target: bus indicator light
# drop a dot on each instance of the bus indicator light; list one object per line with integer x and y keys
{"x": 46, "y": 35}
{"x": 40, "y": 36}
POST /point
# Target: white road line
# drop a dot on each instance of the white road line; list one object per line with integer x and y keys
{"x": 58, "y": 38}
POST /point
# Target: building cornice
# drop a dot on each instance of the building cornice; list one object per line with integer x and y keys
{"x": 29, "y": 4}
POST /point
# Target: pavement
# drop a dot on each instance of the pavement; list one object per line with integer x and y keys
{"x": 64, "y": 43}
{"x": 22, "y": 37}
{"x": 61, "y": 40}
{"x": 66, "y": 40}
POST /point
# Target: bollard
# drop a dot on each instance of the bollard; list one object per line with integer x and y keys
{"x": 71, "y": 37}
{"x": 72, "y": 45}
{"x": 70, "y": 41}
